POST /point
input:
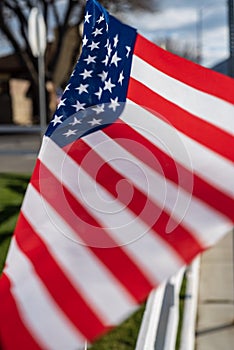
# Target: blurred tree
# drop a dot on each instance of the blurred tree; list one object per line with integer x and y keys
{"x": 63, "y": 19}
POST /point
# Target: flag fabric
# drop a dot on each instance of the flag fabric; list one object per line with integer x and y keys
{"x": 134, "y": 178}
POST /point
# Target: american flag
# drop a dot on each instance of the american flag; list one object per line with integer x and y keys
{"x": 134, "y": 178}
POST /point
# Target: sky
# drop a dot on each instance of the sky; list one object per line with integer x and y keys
{"x": 179, "y": 20}
{"x": 189, "y": 22}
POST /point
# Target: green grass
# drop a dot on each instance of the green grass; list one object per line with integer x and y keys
{"x": 123, "y": 337}
{"x": 181, "y": 310}
{"x": 12, "y": 189}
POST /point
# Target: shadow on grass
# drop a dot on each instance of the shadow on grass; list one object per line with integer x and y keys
{"x": 7, "y": 212}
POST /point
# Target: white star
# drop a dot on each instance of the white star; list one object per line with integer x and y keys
{"x": 95, "y": 122}
{"x": 78, "y": 106}
{"x": 114, "y": 104}
{"x": 67, "y": 87}
{"x": 87, "y": 17}
{"x": 101, "y": 18}
{"x": 75, "y": 121}
{"x": 128, "y": 48}
{"x": 99, "y": 93}
{"x": 94, "y": 45}
{"x": 105, "y": 61}
{"x": 84, "y": 40}
{"x": 82, "y": 88}
{"x": 109, "y": 50}
{"x": 121, "y": 78}
{"x": 56, "y": 120}
{"x": 109, "y": 85}
{"x": 116, "y": 40}
{"x": 87, "y": 74}
{"x": 90, "y": 59}
{"x": 97, "y": 32}
{"x": 70, "y": 132}
{"x": 99, "y": 109}
{"x": 103, "y": 75}
{"x": 107, "y": 42}
{"x": 61, "y": 103}
{"x": 115, "y": 59}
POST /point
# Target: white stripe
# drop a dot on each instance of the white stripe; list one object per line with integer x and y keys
{"x": 138, "y": 241}
{"x": 196, "y": 215}
{"x": 79, "y": 264}
{"x": 201, "y": 104}
{"x": 197, "y": 158}
{"x": 40, "y": 314}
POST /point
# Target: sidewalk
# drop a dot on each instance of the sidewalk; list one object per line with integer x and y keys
{"x": 215, "y": 313}
{"x": 18, "y": 152}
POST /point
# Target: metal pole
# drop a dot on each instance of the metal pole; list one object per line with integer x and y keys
{"x": 199, "y": 29}
{"x": 41, "y": 83}
{"x": 42, "y": 96}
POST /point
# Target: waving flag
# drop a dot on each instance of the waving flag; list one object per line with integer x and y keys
{"x": 135, "y": 177}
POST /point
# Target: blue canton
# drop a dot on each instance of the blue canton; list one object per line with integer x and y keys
{"x": 95, "y": 95}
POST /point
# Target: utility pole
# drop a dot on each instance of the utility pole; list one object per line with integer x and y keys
{"x": 37, "y": 40}
{"x": 231, "y": 37}
{"x": 199, "y": 33}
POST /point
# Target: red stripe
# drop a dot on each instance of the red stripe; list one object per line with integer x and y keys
{"x": 14, "y": 334}
{"x": 201, "y": 131}
{"x": 63, "y": 292}
{"x": 91, "y": 233}
{"x": 180, "y": 239}
{"x": 185, "y": 71}
{"x": 171, "y": 169}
